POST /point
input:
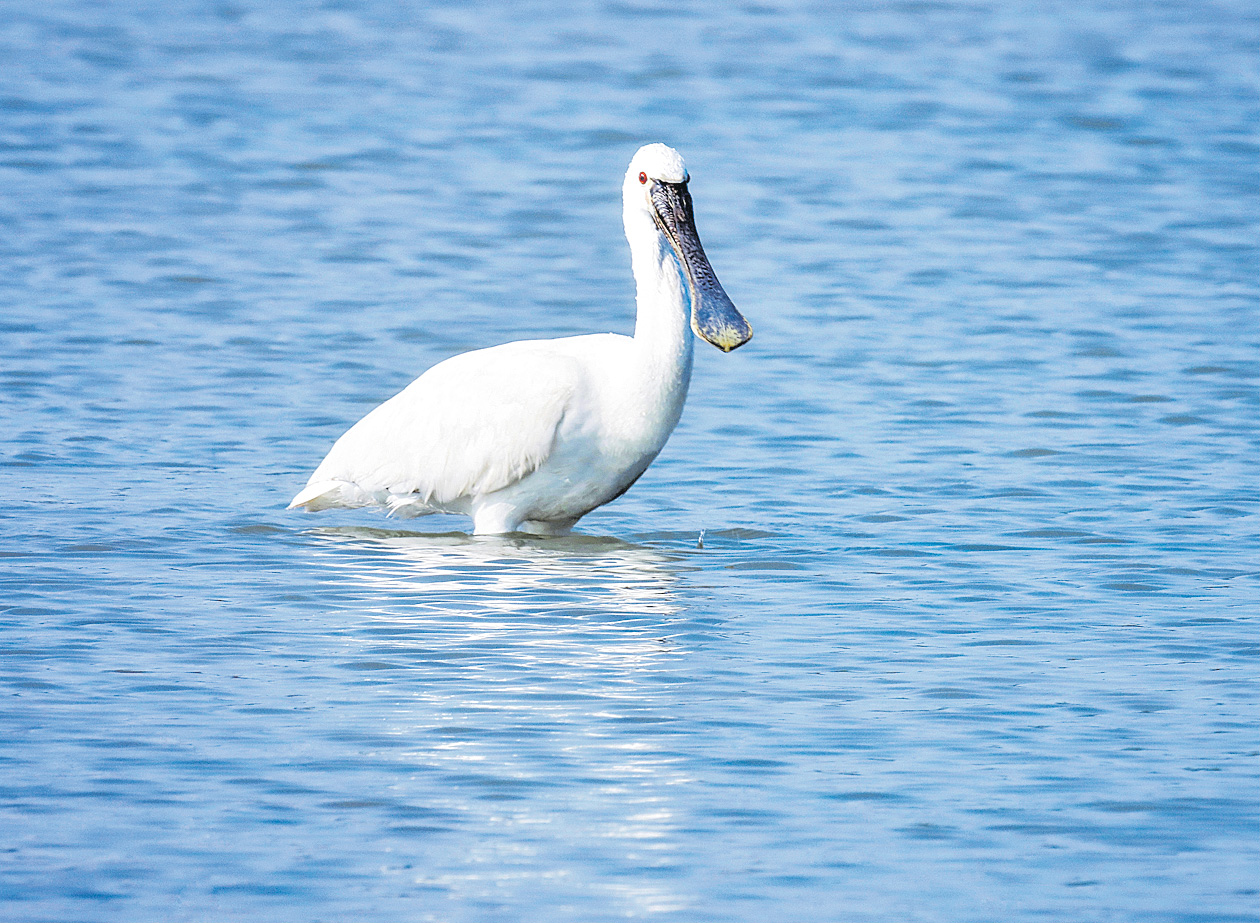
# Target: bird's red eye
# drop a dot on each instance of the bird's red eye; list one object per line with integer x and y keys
{"x": 643, "y": 178}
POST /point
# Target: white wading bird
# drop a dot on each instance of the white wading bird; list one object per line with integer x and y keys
{"x": 533, "y": 435}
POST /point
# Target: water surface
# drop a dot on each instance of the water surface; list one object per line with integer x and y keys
{"x": 939, "y": 605}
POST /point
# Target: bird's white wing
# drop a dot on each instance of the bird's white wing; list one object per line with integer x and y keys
{"x": 469, "y": 426}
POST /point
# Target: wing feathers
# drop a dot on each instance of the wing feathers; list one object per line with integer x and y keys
{"x": 469, "y": 426}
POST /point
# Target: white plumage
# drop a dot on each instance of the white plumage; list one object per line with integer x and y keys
{"x": 530, "y": 436}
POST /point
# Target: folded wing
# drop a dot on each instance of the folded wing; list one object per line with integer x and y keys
{"x": 474, "y": 424}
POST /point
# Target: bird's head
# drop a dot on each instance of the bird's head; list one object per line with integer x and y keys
{"x": 656, "y": 186}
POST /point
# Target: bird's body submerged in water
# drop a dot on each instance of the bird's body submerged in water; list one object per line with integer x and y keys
{"x": 530, "y": 436}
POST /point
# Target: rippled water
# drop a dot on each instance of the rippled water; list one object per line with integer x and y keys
{"x": 940, "y": 604}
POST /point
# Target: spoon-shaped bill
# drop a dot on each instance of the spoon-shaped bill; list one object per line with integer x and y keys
{"x": 713, "y": 317}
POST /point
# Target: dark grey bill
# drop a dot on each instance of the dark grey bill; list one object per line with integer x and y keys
{"x": 713, "y": 317}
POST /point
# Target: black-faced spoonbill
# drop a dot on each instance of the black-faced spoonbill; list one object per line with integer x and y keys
{"x": 533, "y": 435}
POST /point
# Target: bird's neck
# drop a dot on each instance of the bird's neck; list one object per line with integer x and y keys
{"x": 663, "y": 324}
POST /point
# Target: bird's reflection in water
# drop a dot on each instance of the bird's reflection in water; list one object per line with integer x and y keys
{"x": 517, "y": 672}
{"x": 578, "y": 600}
{"x": 581, "y": 579}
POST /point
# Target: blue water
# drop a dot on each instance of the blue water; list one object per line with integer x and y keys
{"x": 940, "y": 605}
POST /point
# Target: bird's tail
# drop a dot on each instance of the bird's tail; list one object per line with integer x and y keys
{"x": 319, "y": 495}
